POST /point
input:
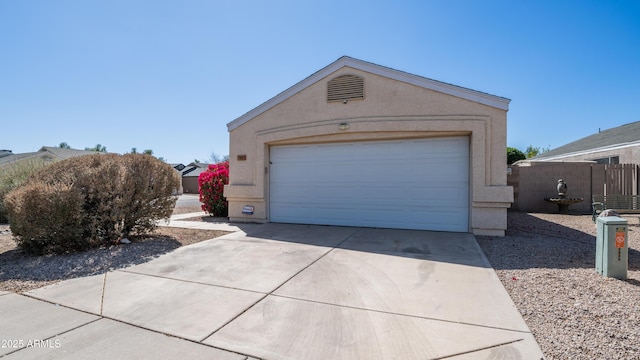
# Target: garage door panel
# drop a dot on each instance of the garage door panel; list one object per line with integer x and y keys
{"x": 407, "y": 193}
{"x": 412, "y": 184}
{"x": 393, "y": 218}
{"x": 362, "y": 205}
{"x": 361, "y": 171}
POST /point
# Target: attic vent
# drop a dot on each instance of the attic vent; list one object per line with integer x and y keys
{"x": 345, "y": 87}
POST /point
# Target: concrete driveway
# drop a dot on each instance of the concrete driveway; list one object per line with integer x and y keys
{"x": 278, "y": 291}
{"x": 188, "y": 200}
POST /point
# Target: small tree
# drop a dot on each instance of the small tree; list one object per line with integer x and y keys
{"x": 64, "y": 145}
{"x": 211, "y": 185}
{"x": 532, "y": 151}
{"x": 213, "y": 159}
{"x": 134, "y": 150}
{"x": 98, "y": 148}
{"x": 514, "y": 155}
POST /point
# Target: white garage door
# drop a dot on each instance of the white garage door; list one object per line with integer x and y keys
{"x": 408, "y": 184}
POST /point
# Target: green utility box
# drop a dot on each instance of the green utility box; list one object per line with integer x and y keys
{"x": 612, "y": 247}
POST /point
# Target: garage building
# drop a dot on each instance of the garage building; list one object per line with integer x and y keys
{"x": 358, "y": 144}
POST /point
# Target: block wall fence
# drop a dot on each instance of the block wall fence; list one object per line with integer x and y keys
{"x": 534, "y": 181}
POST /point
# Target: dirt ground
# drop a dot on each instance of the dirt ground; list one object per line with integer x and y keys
{"x": 21, "y": 272}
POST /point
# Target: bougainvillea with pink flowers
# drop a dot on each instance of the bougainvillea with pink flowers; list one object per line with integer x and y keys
{"x": 210, "y": 186}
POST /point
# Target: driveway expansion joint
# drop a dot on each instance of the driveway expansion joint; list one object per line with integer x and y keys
{"x": 283, "y": 283}
{"x": 61, "y": 305}
{"x": 479, "y": 349}
{"x": 104, "y": 285}
{"x": 316, "y": 260}
{"x": 54, "y": 335}
{"x": 190, "y": 281}
{"x": 199, "y": 342}
{"x": 233, "y": 319}
{"x": 400, "y": 314}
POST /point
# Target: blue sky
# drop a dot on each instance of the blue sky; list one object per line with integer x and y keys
{"x": 169, "y": 75}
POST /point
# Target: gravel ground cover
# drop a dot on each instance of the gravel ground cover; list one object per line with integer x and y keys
{"x": 20, "y": 272}
{"x": 547, "y": 264}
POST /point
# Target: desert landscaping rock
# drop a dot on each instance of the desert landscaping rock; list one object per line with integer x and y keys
{"x": 4, "y": 230}
{"x": 547, "y": 264}
{"x": 20, "y": 272}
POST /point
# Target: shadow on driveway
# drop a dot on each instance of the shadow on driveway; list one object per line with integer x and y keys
{"x": 455, "y": 248}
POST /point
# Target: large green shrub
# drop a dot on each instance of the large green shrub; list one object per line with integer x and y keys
{"x": 113, "y": 196}
{"x": 11, "y": 176}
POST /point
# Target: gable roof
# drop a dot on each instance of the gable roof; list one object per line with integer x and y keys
{"x": 345, "y": 61}
{"x": 621, "y": 136}
{"x": 179, "y": 167}
{"x": 7, "y": 159}
{"x": 66, "y": 153}
{"x": 45, "y": 152}
{"x": 192, "y": 170}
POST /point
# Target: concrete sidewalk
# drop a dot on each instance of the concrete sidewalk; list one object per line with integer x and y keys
{"x": 180, "y": 222}
{"x": 277, "y": 291}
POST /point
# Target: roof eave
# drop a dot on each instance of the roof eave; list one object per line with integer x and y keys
{"x": 586, "y": 152}
{"x": 345, "y": 61}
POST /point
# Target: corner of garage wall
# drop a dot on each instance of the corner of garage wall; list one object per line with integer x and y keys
{"x": 247, "y": 210}
{"x": 489, "y": 221}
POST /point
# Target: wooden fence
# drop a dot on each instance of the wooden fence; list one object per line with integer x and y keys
{"x": 620, "y": 179}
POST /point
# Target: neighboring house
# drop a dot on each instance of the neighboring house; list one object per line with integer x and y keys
{"x": 359, "y": 144}
{"x": 620, "y": 145}
{"x": 189, "y": 175}
{"x": 178, "y": 168}
{"x": 45, "y": 154}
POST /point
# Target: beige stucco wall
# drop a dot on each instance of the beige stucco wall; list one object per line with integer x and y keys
{"x": 391, "y": 110}
{"x": 534, "y": 182}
